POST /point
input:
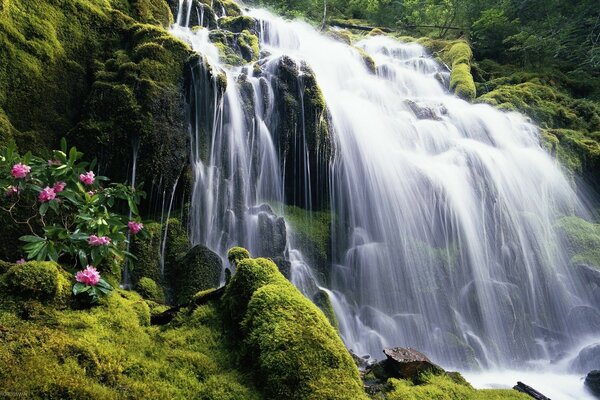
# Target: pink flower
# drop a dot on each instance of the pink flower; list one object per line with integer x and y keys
{"x": 87, "y": 178}
{"x": 47, "y": 194}
{"x": 21, "y": 261}
{"x": 12, "y": 190}
{"x": 53, "y": 162}
{"x": 135, "y": 227}
{"x": 89, "y": 276}
{"x": 59, "y": 186}
{"x": 20, "y": 171}
{"x": 90, "y": 193}
{"x": 98, "y": 240}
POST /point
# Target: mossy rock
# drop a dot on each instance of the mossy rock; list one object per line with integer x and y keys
{"x": 43, "y": 280}
{"x": 150, "y": 290}
{"x": 235, "y": 49}
{"x": 237, "y": 254}
{"x": 323, "y": 301}
{"x": 303, "y": 114}
{"x": 250, "y": 275}
{"x": 199, "y": 269}
{"x": 297, "y": 352}
{"x": 238, "y": 24}
{"x": 459, "y": 56}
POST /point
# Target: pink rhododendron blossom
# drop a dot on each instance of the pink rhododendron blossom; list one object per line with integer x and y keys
{"x": 87, "y": 178}
{"x": 47, "y": 194}
{"x": 59, "y": 187}
{"x": 89, "y": 276}
{"x": 90, "y": 193}
{"x": 12, "y": 190}
{"x": 21, "y": 261}
{"x": 20, "y": 171}
{"x": 135, "y": 227}
{"x": 98, "y": 240}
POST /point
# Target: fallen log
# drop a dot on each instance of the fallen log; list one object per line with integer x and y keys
{"x": 167, "y": 316}
{"x": 358, "y": 27}
{"x": 523, "y": 388}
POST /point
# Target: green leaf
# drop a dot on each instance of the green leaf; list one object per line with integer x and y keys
{"x": 82, "y": 257}
{"x": 44, "y": 208}
{"x": 63, "y": 144}
{"x": 31, "y": 239}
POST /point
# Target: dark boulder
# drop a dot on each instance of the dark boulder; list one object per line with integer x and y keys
{"x": 199, "y": 269}
{"x": 592, "y": 382}
{"x": 405, "y": 363}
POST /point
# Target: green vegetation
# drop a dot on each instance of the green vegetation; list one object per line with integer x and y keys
{"x": 297, "y": 354}
{"x": 110, "y": 352}
{"x": 443, "y": 387}
{"x": 237, "y": 254}
{"x": 150, "y": 290}
{"x": 41, "y": 280}
{"x": 461, "y": 81}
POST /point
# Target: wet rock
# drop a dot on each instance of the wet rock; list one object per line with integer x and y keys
{"x": 592, "y": 382}
{"x": 405, "y": 363}
{"x": 238, "y": 24}
{"x": 586, "y": 318}
{"x": 421, "y": 111}
{"x": 588, "y": 359}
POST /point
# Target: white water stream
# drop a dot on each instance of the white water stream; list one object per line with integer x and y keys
{"x": 444, "y": 237}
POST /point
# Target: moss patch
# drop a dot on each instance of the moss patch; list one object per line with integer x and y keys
{"x": 441, "y": 387}
{"x": 582, "y": 239}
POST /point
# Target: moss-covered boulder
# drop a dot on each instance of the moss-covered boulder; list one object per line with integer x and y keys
{"x": 237, "y": 254}
{"x": 42, "y": 280}
{"x": 238, "y": 24}
{"x": 295, "y": 351}
{"x": 199, "y": 269}
{"x": 150, "y": 290}
{"x": 459, "y": 57}
{"x": 235, "y": 48}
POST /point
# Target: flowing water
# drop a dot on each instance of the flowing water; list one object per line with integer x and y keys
{"x": 444, "y": 210}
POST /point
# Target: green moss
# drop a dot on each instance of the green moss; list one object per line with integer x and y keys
{"x": 367, "y": 59}
{"x": 297, "y": 352}
{"x": 110, "y": 352}
{"x": 376, "y": 32}
{"x": 39, "y": 280}
{"x": 459, "y": 57}
{"x": 322, "y": 300}
{"x": 237, "y": 254}
{"x": 311, "y": 232}
{"x": 238, "y": 24}
{"x": 442, "y": 387}
{"x": 150, "y": 290}
{"x": 582, "y": 238}
{"x": 147, "y": 251}
{"x": 250, "y": 275}
{"x": 154, "y": 11}
{"x": 232, "y": 9}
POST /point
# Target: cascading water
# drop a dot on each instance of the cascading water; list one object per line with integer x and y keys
{"x": 443, "y": 237}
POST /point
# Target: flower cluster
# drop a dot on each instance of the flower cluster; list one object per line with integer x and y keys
{"x": 98, "y": 240}
{"x": 89, "y": 276}
{"x": 20, "y": 171}
{"x": 87, "y": 178}
{"x": 135, "y": 227}
{"x": 89, "y": 281}
{"x": 47, "y": 194}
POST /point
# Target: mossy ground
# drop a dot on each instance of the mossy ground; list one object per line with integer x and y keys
{"x": 111, "y": 352}
{"x": 442, "y": 387}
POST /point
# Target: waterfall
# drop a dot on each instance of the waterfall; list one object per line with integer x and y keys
{"x": 443, "y": 237}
